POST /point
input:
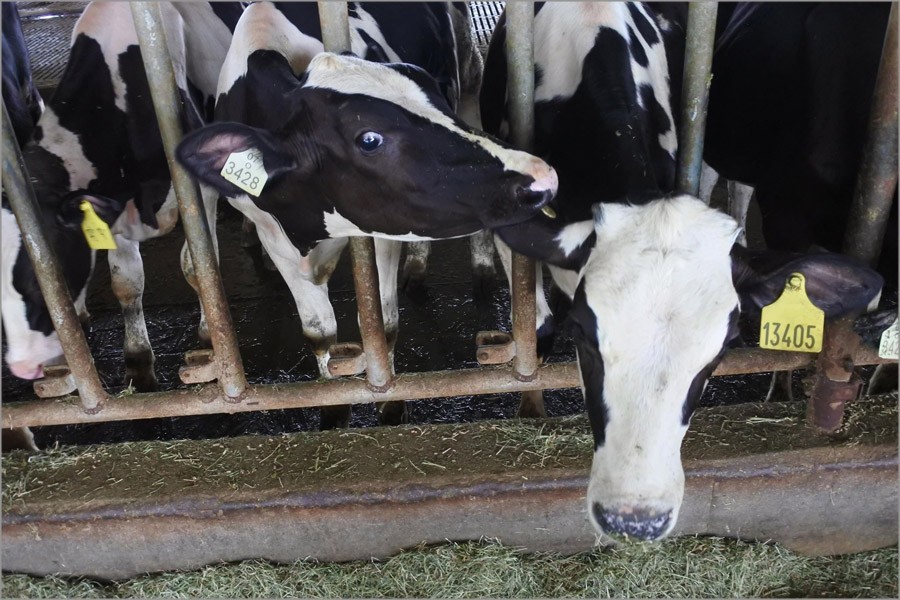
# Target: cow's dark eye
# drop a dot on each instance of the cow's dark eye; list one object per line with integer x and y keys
{"x": 369, "y": 142}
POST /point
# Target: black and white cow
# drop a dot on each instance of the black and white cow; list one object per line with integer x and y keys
{"x": 97, "y": 140}
{"x": 20, "y": 95}
{"x": 355, "y": 147}
{"x": 655, "y": 280}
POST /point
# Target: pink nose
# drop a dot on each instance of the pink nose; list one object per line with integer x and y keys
{"x": 26, "y": 370}
{"x": 545, "y": 178}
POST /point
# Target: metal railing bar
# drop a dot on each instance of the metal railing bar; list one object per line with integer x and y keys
{"x": 167, "y": 103}
{"x": 53, "y": 286}
{"x": 877, "y": 177}
{"x": 335, "y": 23}
{"x": 701, "y": 32}
{"x": 520, "y": 93}
{"x": 208, "y": 399}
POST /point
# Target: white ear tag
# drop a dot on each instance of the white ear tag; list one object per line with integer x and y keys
{"x": 245, "y": 170}
{"x": 890, "y": 340}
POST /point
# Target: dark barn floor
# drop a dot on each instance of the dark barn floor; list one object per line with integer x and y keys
{"x": 435, "y": 334}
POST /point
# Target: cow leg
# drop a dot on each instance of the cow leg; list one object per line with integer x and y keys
{"x": 738, "y": 203}
{"x": 413, "y": 281}
{"x": 483, "y": 272}
{"x": 126, "y": 270}
{"x": 708, "y": 179}
{"x": 387, "y": 258}
{"x": 884, "y": 379}
{"x": 210, "y": 204}
{"x": 780, "y": 388}
{"x": 531, "y": 403}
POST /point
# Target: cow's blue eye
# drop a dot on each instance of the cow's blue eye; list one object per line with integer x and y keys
{"x": 369, "y": 142}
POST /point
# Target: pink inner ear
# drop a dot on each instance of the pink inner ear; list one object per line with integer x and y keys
{"x": 218, "y": 148}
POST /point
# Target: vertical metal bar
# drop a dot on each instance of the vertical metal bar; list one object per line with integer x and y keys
{"x": 520, "y": 91}
{"x": 167, "y": 103}
{"x": 877, "y": 177}
{"x": 836, "y": 382}
{"x": 335, "y": 23}
{"x": 18, "y": 188}
{"x": 701, "y": 33}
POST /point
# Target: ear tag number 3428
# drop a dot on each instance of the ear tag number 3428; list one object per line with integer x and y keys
{"x": 245, "y": 170}
{"x": 792, "y": 322}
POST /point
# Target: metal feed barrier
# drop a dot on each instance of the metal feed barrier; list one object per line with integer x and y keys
{"x": 224, "y": 386}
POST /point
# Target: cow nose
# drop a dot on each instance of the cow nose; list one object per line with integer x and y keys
{"x": 633, "y": 522}
{"x": 26, "y": 370}
{"x": 545, "y": 178}
{"x": 534, "y": 198}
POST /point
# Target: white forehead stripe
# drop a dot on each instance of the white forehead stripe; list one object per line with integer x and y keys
{"x": 350, "y": 75}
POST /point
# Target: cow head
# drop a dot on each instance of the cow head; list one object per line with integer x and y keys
{"x": 373, "y": 149}
{"x": 658, "y": 296}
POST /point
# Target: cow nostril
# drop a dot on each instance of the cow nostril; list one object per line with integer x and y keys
{"x": 533, "y": 198}
{"x": 634, "y": 523}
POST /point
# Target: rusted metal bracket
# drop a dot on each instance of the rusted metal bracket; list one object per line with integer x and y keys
{"x": 57, "y": 381}
{"x": 826, "y": 408}
{"x": 200, "y": 367}
{"x": 494, "y": 347}
{"x": 346, "y": 358}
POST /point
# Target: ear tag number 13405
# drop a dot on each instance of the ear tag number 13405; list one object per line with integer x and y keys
{"x": 245, "y": 170}
{"x": 792, "y": 322}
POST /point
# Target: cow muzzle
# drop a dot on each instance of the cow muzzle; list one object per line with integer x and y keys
{"x": 26, "y": 370}
{"x": 632, "y": 522}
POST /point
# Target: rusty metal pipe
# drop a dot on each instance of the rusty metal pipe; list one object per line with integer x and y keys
{"x": 56, "y": 294}
{"x": 407, "y": 386}
{"x": 701, "y": 33}
{"x": 520, "y": 90}
{"x": 334, "y": 20}
{"x": 836, "y": 383}
{"x": 335, "y": 23}
{"x": 168, "y": 104}
{"x": 877, "y": 177}
{"x": 371, "y": 318}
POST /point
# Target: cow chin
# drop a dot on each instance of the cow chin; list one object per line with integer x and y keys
{"x": 623, "y": 508}
{"x": 27, "y": 361}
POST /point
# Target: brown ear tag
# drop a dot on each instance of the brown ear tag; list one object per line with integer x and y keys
{"x": 792, "y": 322}
{"x": 245, "y": 170}
{"x": 95, "y": 230}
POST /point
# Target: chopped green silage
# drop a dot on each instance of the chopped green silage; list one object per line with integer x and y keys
{"x": 682, "y": 567}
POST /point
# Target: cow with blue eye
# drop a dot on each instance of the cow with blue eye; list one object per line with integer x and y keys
{"x": 364, "y": 145}
{"x": 654, "y": 279}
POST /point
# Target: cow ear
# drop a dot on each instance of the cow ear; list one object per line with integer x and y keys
{"x": 204, "y": 152}
{"x": 70, "y": 215}
{"x": 837, "y": 284}
{"x": 544, "y": 238}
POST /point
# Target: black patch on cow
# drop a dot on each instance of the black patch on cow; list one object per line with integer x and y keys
{"x": 582, "y": 323}
{"x": 538, "y": 76}
{"x": 645, "y": 27}
{"x": 374, "y": 51}
{"x": 427, "y": 84}
{"x": 637, "y": 49}
{"x": 20, "y": 95}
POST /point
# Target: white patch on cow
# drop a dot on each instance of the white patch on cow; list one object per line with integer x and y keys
{"x": 27, "y": 349}
{"x": 350, "y": 75}
{"x": 264, "y": 27}
{"x": 61, "y": 142}
{"x": 564, "y": 33}
{"x": 367, "y": 23}
{"x": 659, "y": 281}
{"x": 337, "y": 225}
{"x": 207, "y": 41}
{"x": 572, "y": 236}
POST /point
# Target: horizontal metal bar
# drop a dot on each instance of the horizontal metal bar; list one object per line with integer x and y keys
{"x": 208, "y": 399}
{"x": 53, "y": 286}
{"x": 168, "y": 105}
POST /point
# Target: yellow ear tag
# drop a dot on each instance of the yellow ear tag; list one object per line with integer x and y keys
{"x": 96, "y": 232}
{"x": 792, "y": 322}
{"x": 245, "y": 170}
{"x": 890, "y": 340}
